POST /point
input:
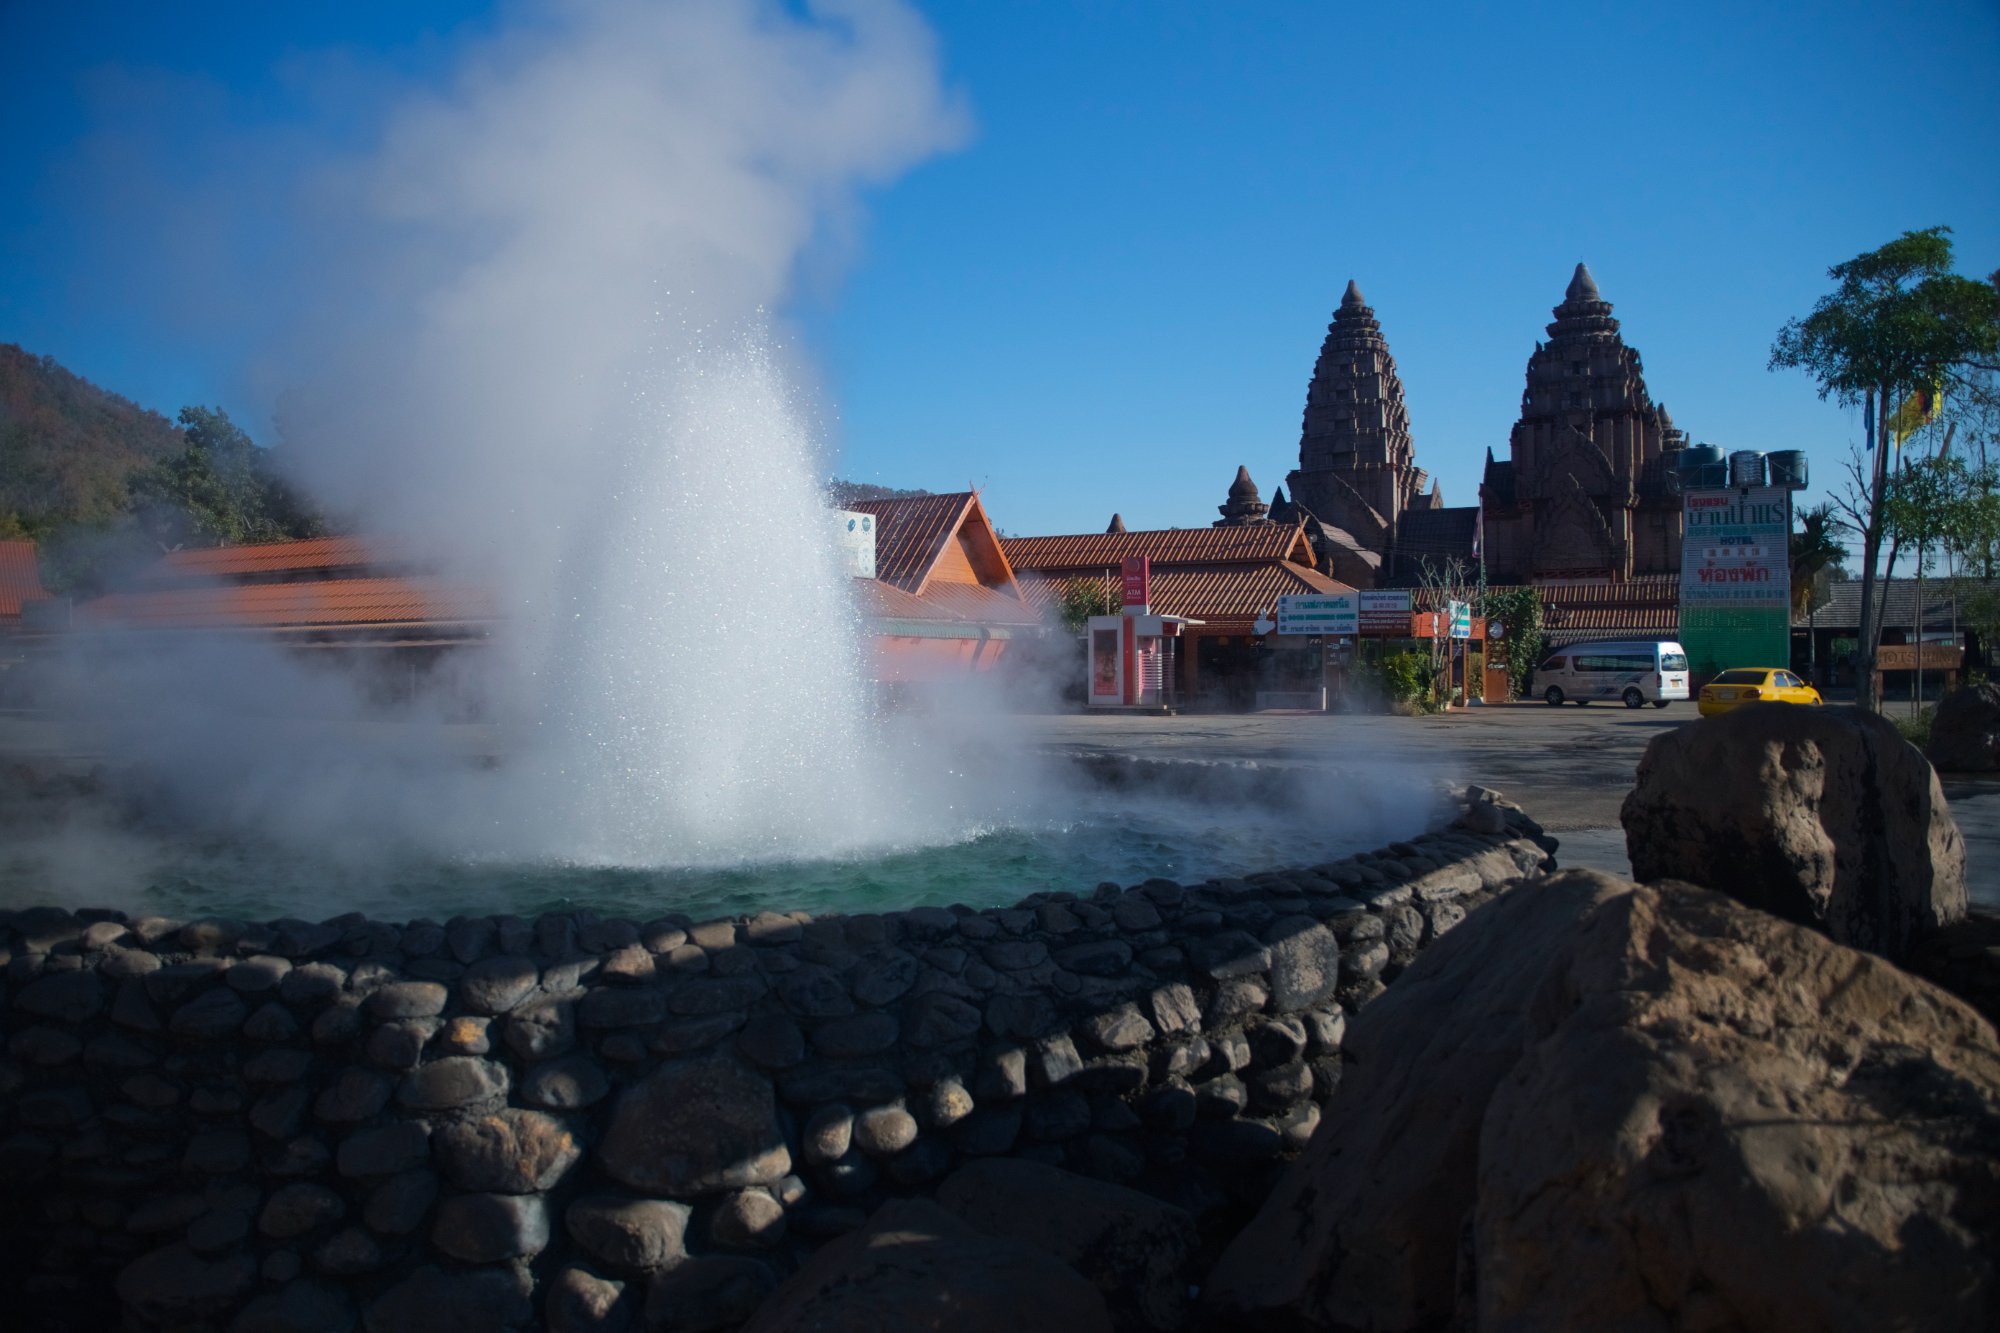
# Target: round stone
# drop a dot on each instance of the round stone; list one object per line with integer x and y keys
{"x": 827, "y": 1135}
{"x": 491, "y": 1228}
{"x": 631, "y": 1235}
{"x": 508, "y": 1152}
{"x": 298, "y": 1208}
{"x": 748, "y": 1220}
{"x": 883, "y": 1131}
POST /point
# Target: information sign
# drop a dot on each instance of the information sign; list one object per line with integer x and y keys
{"x": 1138, "y": 572}
{"x": 1318, "y": 613}
{"x": 1385, "y": 612}
{"x": 1461, "y": 620}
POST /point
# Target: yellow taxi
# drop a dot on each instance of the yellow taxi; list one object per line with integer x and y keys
{"x": 1748, "y": 685}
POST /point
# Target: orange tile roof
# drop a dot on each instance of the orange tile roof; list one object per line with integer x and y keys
{"x": 958, "y": 603}
{"x": 1101, "y": 550}
{"x": 325, "y": 604}
{"x": 317, "y": 553}
{"x": 1227, "y": 596}
{"x": 911, "y": 532}
{"x": 20, "y": 577}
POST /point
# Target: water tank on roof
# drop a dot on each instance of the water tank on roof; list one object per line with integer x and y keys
{"x": 1788, "y": 469}
{"x": 1698, "y": 456}
{"x": 1746, "y": 468}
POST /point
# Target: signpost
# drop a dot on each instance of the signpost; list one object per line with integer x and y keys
{"x": 1385, "y": 613}
{"x": 1329, "y": 614}
{"x": 1138, "y": 575}
{"x": 1461, "y": 619}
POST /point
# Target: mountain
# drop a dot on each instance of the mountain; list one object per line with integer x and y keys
{"x": 68, "y": 449}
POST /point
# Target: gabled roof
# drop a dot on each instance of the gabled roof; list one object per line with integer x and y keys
{"x": 912, "y": 534}
{"x": 1238, "y": 543}
{"x": 20, "y": 577}
{"x": 1497, "y": 486}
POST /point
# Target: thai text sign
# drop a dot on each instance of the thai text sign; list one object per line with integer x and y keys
{"x": 1461, "y": 619}
{"x": 1334, "y": 613}
{"x": 1385, "y": 612}
{"x": 1138, "y": 572}
{"x": 1736, "y": 552}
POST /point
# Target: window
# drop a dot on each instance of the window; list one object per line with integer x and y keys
{"x": 1553, "y": 664}
{"x": 1741, "y": 676}
{"x": 1673, "y": 662}
{"x": 1619, "y": 662}
{"x": 1788, "y": 680}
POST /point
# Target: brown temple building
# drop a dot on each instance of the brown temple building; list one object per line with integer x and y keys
{"x": 1584, "y": 496}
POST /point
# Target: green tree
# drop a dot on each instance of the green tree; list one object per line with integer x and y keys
{"x": 1815, "y": 549}
{"x": 1899, "y": 319}
{"x": 1520, "y": 610}
{"x": 221, "y": 489}
{"x": 1080, "y": 599}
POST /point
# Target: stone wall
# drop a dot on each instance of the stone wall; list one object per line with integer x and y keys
{"x": 495, "y": 1123}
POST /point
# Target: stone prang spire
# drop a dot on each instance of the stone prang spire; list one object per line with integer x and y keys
{"x": 1583, "y": 492}
{"x": 1357, "y": 463}
{"x": 1244, "y": 504}
{"x": 1117, "y": 523}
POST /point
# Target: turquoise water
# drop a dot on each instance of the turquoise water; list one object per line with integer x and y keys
{"x": 1098, "y": 836}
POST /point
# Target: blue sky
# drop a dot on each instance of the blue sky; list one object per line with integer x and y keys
{"x": 1113, "y": 292}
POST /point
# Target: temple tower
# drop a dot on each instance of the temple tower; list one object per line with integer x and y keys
{"x": 1584, "y": 495}
{"x": 1244, "y": 505}
{"x": 1357, "y": 464}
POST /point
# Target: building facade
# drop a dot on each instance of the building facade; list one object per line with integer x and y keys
{"x": 1583, "y": 495}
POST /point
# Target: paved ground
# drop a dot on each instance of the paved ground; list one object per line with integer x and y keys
{"x": 1569, "y": 767}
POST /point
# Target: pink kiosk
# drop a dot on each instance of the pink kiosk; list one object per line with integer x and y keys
{"x": 1135, "y": 655}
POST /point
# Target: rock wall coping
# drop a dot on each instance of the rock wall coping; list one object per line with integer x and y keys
{"x": 300, "y": 1125}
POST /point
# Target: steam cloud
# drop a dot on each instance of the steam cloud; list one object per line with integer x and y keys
{"x": 530, "y": 335}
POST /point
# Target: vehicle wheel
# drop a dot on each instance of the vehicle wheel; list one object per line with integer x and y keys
{"x": 1659, "y": 703}
{"x": 1553, "y": 697}
{"x": 1634, "y": 699}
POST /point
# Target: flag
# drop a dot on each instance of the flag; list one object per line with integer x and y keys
{"x": 1918, "y": 410}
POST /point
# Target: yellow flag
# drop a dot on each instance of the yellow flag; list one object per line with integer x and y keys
{"x": 1918, "y": 410}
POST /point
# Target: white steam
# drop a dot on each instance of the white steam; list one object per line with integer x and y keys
{"x": 531, "y": 339}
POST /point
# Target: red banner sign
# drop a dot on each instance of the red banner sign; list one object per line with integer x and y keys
{"x": 1138, "y": 572}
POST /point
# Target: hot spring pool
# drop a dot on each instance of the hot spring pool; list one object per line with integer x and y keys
{"x": 1123, "y": 822}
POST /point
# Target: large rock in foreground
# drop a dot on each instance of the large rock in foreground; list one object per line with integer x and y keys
{"x": 1683, "y": 1114}
{"x": 1823, "y": 816}
{"x": 1965, "y": 734}
{"x": 916, "y": 1268}
{"x": 1138, "y": 1250}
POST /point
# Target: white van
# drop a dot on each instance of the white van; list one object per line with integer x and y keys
{"x": 1638, "y": 671}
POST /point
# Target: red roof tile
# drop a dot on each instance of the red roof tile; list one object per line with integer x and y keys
{"x": 910, "y": 533}
{"x": 20, "y": 577}
{"x": 1102, "y": 550}
{"x": 316, "y": 554}
{"x": 1226, "y": 596}
{"x": 330, "y": 603}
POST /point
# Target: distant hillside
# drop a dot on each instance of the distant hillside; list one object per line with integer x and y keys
{"x": 68, "y": 449}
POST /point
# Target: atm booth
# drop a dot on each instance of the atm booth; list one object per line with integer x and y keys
{"x": 1135, "y": 661}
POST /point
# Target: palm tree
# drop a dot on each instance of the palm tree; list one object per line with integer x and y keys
{"x": 1814, "y": 550}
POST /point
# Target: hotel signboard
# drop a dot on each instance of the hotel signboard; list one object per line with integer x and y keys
{"x": 1736, "y": 577}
